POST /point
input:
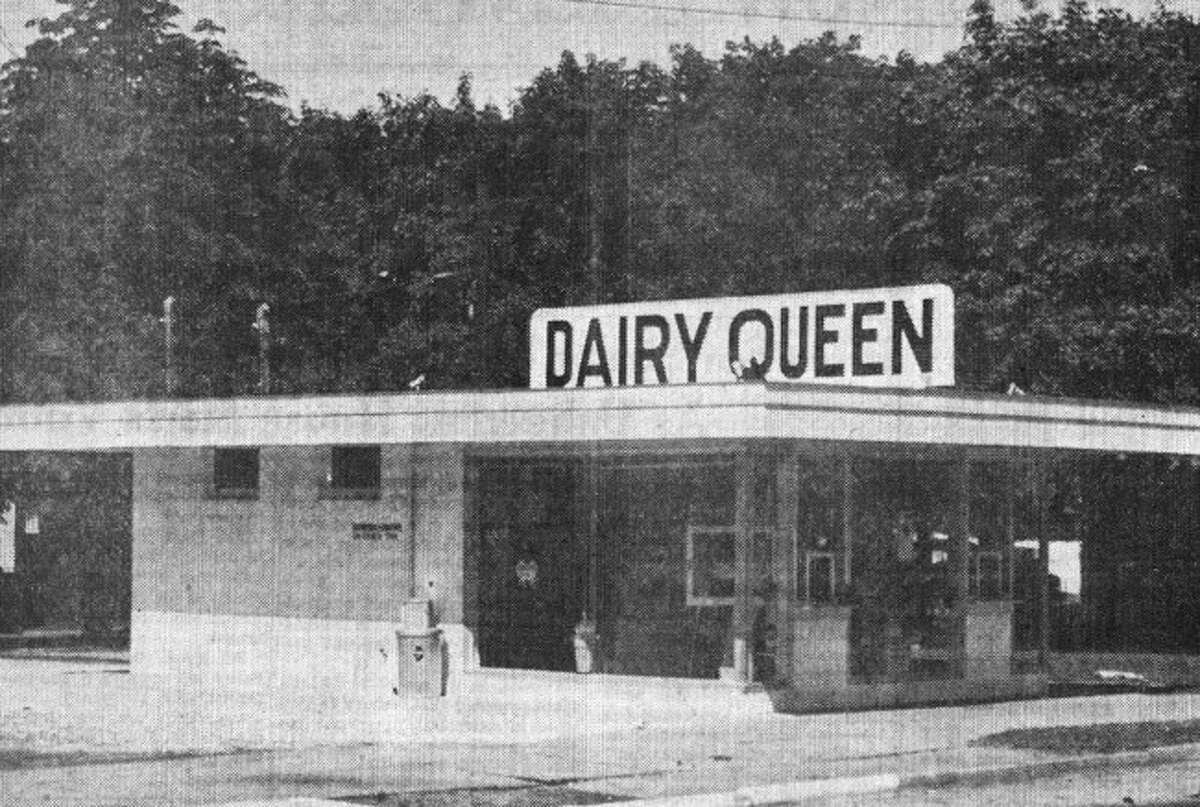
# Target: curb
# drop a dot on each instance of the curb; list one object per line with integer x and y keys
{"x": 786, "y": 793}
{"x": 794, "y": 792}
{"x": 1054, "y": 767}
{"x": 298, "y": 801}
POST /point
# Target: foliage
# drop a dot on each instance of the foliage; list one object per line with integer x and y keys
{"x": 1047, "y": 170}
{"x": 137, "y": 163}
{"x": 1055, "y": 162}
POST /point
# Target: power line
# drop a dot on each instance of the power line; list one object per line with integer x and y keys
{"x": 766, "y": 15}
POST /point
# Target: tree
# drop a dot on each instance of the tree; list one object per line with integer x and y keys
{"x": 137, "y": 163}
{"x": 1053, "y": 162}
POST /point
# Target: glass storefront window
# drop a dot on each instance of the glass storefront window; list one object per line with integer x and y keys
{"x": 820, "y": 525}
{"x": 762, "y": 580}
{"x": 820, "y": 582}
{"x": 710, "y": 565}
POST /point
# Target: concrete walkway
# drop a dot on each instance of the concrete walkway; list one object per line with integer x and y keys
{"x": 75, "y": 733}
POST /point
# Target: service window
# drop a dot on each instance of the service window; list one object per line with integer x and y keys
{"x": 354, "y": 472}
{"x": 819, "y": 577}
{"x": 988, "y": 577}
{"x": 235, "y": 473}
{"x": 710, "y": 565}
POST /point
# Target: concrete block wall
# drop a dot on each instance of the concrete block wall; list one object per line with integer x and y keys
{"x": 218, "y": 582}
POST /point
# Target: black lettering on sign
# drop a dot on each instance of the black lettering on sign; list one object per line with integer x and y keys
{"x": 691, "y": 345}
{"x": 823, "y": 338}
{"x": 786, "y": 366}
{"x": 860, "y": 336}
{"x": 735, "y": 337}
{"x": 903, "y": 329}
{"x": 622, "y": 351}
{"x": 593, "y": 341}
{"x": 558, "y": 327}
{"x": 654, "y": 355}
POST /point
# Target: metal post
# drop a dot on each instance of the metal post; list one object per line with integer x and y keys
{"x": 263, "y": 326}
{"x": 170, "y": 380}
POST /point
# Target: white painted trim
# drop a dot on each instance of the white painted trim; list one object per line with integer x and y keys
{"x": 640, "y": 414}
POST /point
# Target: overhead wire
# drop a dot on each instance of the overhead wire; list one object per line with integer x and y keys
{"x": 766, "y": 15}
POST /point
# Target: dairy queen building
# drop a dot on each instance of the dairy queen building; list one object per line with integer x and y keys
{"x": 780, "y": 494}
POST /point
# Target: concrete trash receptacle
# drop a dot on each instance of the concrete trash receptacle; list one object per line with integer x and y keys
{"x": 422, "y": 663}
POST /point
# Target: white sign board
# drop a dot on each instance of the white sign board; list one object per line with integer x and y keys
{"x": 889, "y": 337}
{"x": 8, "y": 538}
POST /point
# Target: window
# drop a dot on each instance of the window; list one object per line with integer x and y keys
{"x": 819, "y": 581}
{"x": 235, "y": 473}
{"x": 710, "y": 557}
{"x": 988, "y": 578}
{"x": 354, "y": 472}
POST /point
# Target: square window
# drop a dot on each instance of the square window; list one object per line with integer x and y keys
{"x": 354, "y": 471}
{"x": 235, "y": 473}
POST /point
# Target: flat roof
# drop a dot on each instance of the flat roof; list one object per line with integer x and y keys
{"x": 736, "y": 411}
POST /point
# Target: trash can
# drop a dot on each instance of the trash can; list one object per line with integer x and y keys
{"x": 422, "y": 663}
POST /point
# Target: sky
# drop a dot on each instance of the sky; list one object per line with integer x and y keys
{"x": 339, "y": 54}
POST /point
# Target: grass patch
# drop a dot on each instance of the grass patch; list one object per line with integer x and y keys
{"x": 1099, "y": 738}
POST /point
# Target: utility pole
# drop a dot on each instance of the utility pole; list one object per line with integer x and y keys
{"x": 263, "y": 326}
{"x": 170, "y": 379}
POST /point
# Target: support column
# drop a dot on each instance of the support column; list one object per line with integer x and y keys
{"x": 471, "y": 547}
{"x": 413, "y": 483}
{"x": 787, "y": 475}
{"x": 1040, "y": 479}
{"x": 593, "y": 546}
{"x": 960, "y": 557}
{"x": 743, "y": 611}
{"x": 586, "y": 556}
{"x": 848, "y": 494}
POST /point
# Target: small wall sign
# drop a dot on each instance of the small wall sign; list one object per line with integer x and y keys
{"x": 376, "y": 532}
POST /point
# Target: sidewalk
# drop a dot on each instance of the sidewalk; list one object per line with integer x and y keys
{"x": 118, "y": 740}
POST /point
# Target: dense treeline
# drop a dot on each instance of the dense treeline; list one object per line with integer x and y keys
{"x": 1047, "y": 170}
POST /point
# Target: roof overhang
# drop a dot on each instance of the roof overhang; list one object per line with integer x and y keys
{"x": 752, "y": 411}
